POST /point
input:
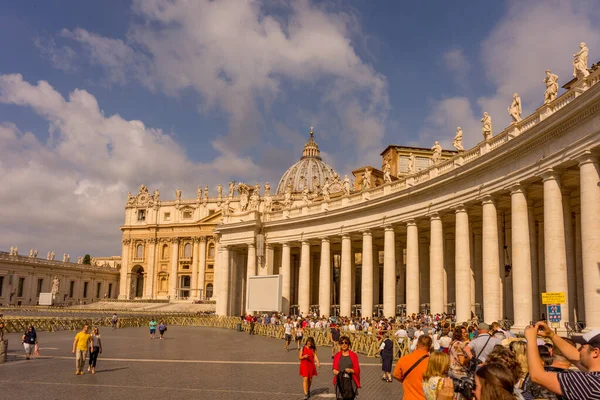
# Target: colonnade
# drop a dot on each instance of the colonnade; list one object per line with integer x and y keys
{"x": 468, "y": 245}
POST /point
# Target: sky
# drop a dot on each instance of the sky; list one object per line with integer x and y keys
{"x": 99, "y": 97}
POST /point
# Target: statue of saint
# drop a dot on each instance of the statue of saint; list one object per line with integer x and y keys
{"x": 52, "y": 256}
{"x": 243, "y": 190}
{"x": 305, "y": 195}
{"x": 580, "y": 60}
{"x": 219, "y": 190}
{"x": 178, "y": 194}
{"x": 48, "y": 256}
{"x": 267, "y": 201}
{"x": 64, "y": 257}
{"x": 231, "y": 189}
{"x": 156, "y": 195}
{"x": 225, "y": 208}
{"x": 267, "y": 188}
{"x": 55, "y": 285}
{"x": 551, "y": 81}
{"x": 346, "y": 185}
{"x": 486, "y": 127}
{"x": 199, "y": 193}
{"x": 411, "y": 164}
{"x": 79, "y": 260}
{"x": 35, "y": 253}
{"x": 130, "y": 198}
{"x": 387, "y": 176}
{"x": 515, "y": 108}
{"x": 437, "y": 152}
{"x": 254, "y": 200}
{"x": 366, "y": 179}
{"x": 206, "y": 192}
{"x": 68, "y": 258}
{"x": 31, "y": 253}
{"x": 287, "y": 199}
{"x": 325, "y": 190}
{"x": 457, "y": 143}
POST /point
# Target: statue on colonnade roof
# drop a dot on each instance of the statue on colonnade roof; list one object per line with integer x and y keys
{"x": 515, "y": 109}
{"x": 551, "y": 81}
{"x": 458, "y": 138}
{"x": 580, "y": 61}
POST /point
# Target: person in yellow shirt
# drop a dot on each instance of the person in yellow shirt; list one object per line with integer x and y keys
{"x": 81, "y": 346}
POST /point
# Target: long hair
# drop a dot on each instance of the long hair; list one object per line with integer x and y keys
{"x": 496, "y": 382}
{"x": 439, "y": 364}
{"x": 520, "y": 350}
{"x": 310, "y": 343}
{"x": 457, "y": 336}
{"x": 508, "y": 359}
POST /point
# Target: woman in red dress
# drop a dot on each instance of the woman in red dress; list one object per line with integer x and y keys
{"x": 308, "y": 358}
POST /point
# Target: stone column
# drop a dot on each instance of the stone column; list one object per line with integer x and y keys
{"x": 401, "y": 275}
{"x": 286, "y": 275}
{"x": 436, "y": 265}
{"x": 123, "y": 286}
{"x": 367, "y": 275}
{"x": 345, "y": 277}
{"x": 570, "y": 253}
{"x": 325, "y": 278}
{"x": 589, "y": 176}
{"x": 412, "y": 268}
{"x": 151, "y": 269}
{"x": 224, "y": 264}
{"x": 389, "y": 272}
{"x": 195, "y": 264}
{"x": 202, "y": 267}
{"x": 477, "y": 289}
{"x": 423, "y": 270}
{"x": 554, "y": 239}
{"x": 579, "y": 268}
{"x": 250, "y": 268}
{"x": 304, "y": 279}
{"x": 353, "y": 274}
{"x": 535, "y": 286}
{"x": 521, "y": 258}
{"x": 449, "y": 259}
{"x": 375, "y": 275}
{"x": 174, "y": 268}
{"x": 541, "y": 259}
{"x": 462, "y": 265}
{"x": 491, "y": 263}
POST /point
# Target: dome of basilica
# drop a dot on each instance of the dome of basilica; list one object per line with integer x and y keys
{"x": 310, "y": 170}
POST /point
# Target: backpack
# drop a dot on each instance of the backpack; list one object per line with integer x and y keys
{"x": 344, "y": 388}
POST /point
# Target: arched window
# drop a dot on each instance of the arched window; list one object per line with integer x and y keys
{"x": 139, "y": 253}
{"x": 209, "y": 291}
{"x": 165, "y": 251}
{"x": 211, "y": 251}
{"x": 187, "y": 250}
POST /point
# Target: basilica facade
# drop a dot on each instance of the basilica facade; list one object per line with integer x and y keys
{"x": 483, "y": 230}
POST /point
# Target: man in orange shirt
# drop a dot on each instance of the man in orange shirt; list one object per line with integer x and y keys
{"x": 410, "y": 369}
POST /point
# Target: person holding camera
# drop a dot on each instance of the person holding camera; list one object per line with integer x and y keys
{"x": 582, "y": 384}
{"x": 479, "y": 348}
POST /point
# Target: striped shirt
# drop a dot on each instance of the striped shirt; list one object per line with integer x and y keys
{"x": 580, "y": 385}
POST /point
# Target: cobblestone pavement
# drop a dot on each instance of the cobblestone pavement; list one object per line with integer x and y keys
{"x": 192, "y": 362}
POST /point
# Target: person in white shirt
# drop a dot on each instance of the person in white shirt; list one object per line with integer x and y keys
{"x": 288, "y": 328}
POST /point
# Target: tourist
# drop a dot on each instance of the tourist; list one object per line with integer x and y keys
{"x": 299, "y": 333}
{"x": 387, "y": 354}
{"x": 458, "y": 357}
{"x": 81, "y": 344}
{"x": 29, "y": 341}
{"x": 410, "y": 369}
{"x": 152, "y": 324}
{"x": 555, "y": 362}
{"x": 519, "y": 348}
{"x": 334, "y": 337}
{"x": 288, "y": 329}
{"x": 162, "y": 328}
{"x": 508, "y": 359}
{"x": 583, "y": 384}
{"x": 480, "y": 347}
{"x": 95, "y": 349}
{"x": 1, "y": 328}
{"x": 436, "y": 383}
{"x": 308, "y": 358}
{"x": 494, "y": 381}
{"x": 346, "y": 371}
{"x": 114, "y": 321}
{"x": 445, "y": 340}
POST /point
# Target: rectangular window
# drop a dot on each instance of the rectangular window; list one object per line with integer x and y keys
{"x": 1, "y": 285}
{"x": 85, "y": 287}
{"x": 187, "y": 214}
{"x": 71, "y": 288}
{"x": 167, "y": 216}
{"x": 20, "y": 287}
{"x": 210, "y": 266}
{"x": 110, "y": 290}
{"x": 39, "y": 287}
{"x": 98, "y": 288}
{"x": 141, "y": 215}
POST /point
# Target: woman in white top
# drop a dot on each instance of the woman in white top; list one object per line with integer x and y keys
{"x": 95, "y": 349}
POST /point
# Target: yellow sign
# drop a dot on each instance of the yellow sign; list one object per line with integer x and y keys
{"x": 554, "y": 298}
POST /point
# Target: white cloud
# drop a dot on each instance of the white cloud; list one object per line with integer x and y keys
{"x": 456, "y": 61}
{"x": 69, "y": 193}
{"x": 236, "y": 56}
{"x": 445, "y": 117}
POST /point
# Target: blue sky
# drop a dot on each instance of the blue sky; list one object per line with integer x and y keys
{"x": 186, "y": 93}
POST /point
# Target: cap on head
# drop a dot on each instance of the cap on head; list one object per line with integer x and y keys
{"x": 483, "y": 326}
{"x": 592, "y": 338}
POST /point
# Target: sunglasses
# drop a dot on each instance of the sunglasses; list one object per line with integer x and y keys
{"x": 344, "y": 342}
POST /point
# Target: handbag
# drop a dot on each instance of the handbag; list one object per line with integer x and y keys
{"x": 36, "y": 350}
{"x": 475, "y": 362}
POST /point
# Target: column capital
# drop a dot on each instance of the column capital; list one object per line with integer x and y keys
{"x": 366, "y": 232}
{"x": 324, "y": 239}
{"x": 152, "y": 240}
{"x": 587, "y": 158}
{"x": 305, "y": 241}
{"x": 126, "y": 241}
{"x": 174, "y": 240}
{"x": 551, "y": 174}
{"x": 285, "y": 244}
{"x": 434, "y": 216}
{"x": 202, "y": 239}
{"x": 196, "y": 239}
{"x": 459, "y": 208}
{"x": 411, "y": 222}
{"x": 518, "y": 188}
{"x": 251, "y": 245}
{"x": 345, "y": 236}
{"x": 388, "y": 228}
{"x": 488, "y": 199}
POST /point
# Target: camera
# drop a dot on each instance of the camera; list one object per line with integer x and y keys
{"x": 464, "y": 386}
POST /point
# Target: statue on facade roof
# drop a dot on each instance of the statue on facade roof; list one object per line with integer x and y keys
{"x": 68, "y": 258}
{"x": 551, "y": 81}
{"x": 267, "y": 188}
{"x": 205, "y": 192}
{"x": 178, "y": 194}
{"x": 437, "y": 152}
{"x": 366, "y": 179}
{"x": 458, "y": 138}
{"x": 198, "y": 193}
{"x": 325, "y": 190}
{"x": 79, "y": 260}
{"x": 254, "y": 200}
{"x": 267, "y": 201}
{"x": 64, "y": 257}
{"x": 16, "y": 251}
{"x": 305, "y": 195}
{"x": 48, "y": 256}
{"x": 220, "y": 191}
{"x": 580, "y": 61}
{"x": 231, "y": 189}
{"x": 387, "y": 176}
{"x": 411, "y": 164}
{"x": 243, "y": 190}
{"x": 35, "y": 253}
{"x": 287, "y": 197}
{"x": 515, "y": 109}
{"x": 156, "y": 195}
{"x": 346, "y": 185}
{"x": 225, "y": 208}
{"x": 31, "y": 253}
{"x": 486, "y": 128}
{"x": 12, "y": 250}
{"x": 52, "y": 256}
